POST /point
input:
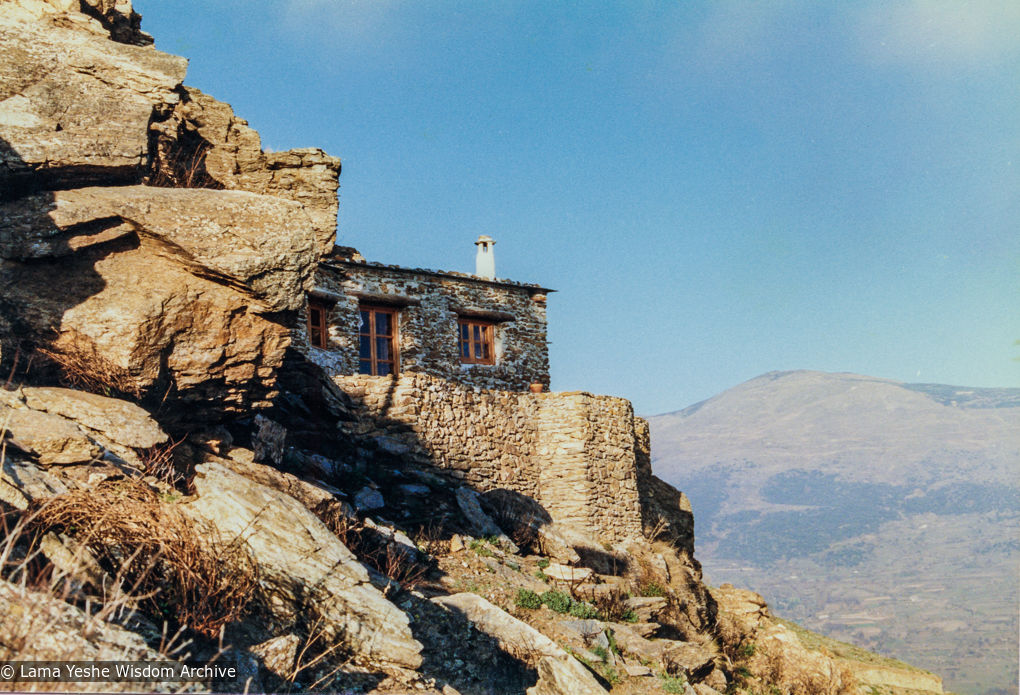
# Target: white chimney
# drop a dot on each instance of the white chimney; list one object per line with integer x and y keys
{"x": 485, "y": 260}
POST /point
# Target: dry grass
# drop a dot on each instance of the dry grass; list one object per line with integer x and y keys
{"x": 176, "y": 167}
{"x": 154, "y": 549}
{"x": 373, "y": 548}
{"x": 159, "y": 462}
{"x": 82, "y": 367}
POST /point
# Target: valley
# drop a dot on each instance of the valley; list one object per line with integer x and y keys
{"x": 874, "y": 512}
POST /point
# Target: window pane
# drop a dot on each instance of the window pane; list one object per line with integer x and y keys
{"x": 364, "y": 322}
{"x": 383, "y": 323}
{"x": 478, "y": 351}
{"x": 485, "y": 351}
{"x": 478, "y": 333}
{"x": 382, "y": 349}
{"x": 366, "y": 349}
{"x": 315, "y": 315}
{"x": 465, "y": 332}
{"x": 365, "y": 367}
{"x": 384, "y": 369}
{"x": 317, "y": 336}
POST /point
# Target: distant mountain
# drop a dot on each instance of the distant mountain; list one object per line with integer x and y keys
{"x": 871, "y": 510}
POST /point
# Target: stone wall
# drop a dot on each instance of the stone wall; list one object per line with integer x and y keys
{"x": 572, "y": 452}
{"x": 430, "y": 304}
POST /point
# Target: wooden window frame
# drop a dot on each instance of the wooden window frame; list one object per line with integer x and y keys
{"x": 322, "y": 325}
{"x": 373, "y": 361}
{"x": 488, "y": 340}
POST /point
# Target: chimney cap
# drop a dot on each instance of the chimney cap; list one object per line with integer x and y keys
{"x": 484, "y": 239}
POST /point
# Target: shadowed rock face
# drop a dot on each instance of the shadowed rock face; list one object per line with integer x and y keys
{"x": 174, "y": 288}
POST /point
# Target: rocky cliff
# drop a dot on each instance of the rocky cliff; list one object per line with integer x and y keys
{"x": 178, "y": 484}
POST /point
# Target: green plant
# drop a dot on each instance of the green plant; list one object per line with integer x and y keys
{"x": 558, "y": 601}
{"x": 672, "y": 684}
{"x": 600, "y": 651}
{"x": 543, "y": 563}
{"x": 747, "y": 649}
{"x": 582, "y": 610}
{"x": 613, "y": 646}
{"x": 481, "y": 548}
{"x": 610, "y": 674}
{"x": 526, "y": 598}
{"x": 540, "y": 575}
{"x": 652, "y": 589}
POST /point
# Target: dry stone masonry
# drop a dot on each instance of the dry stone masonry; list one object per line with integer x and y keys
{"x": 430, "y": 304}
{"x": 573, "y": 452}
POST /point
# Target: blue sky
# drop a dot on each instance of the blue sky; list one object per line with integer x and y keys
{"x": 715, "y": 189}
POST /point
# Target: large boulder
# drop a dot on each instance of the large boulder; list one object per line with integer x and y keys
{"x": 75, "y": 106}
{"x": 204, "y": 139}
{"x": 262, "y": 246}
{"x": 306, "y": 568}
{"x": 559, "y": 673}
{"x": 123, "y": 422}
{"x": 173, "y": 288}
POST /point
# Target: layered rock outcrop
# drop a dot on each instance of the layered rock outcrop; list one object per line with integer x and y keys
{"x": 159, "y": 290}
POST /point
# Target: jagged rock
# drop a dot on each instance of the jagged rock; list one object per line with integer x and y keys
{"x": 592, "y": 632}
{"x": 635, "y": 646}
{"x": 564, "y": 677}
{"x": 703, "y": 689}
{"x": 647, "y": 608}
{"x": 306, "y": 566}
{"x": 637, "y": 671}
{"x": 230, "y": 154}
{"x": 49, "y": 438}
{"x": 47, "y": 629}
{"x": 692, "y": 661}
{"x": 559, "y": 673}
{"x": 514, "y": 636}
{"x": 269, "y": 441}
{"x": 279, "y": 654}
{"x": 746, "y": 607}
{"x": 263, "y": 246}
{"x": 481, "y": 524}
{"x": 22, "y": 482}
{"x": 75, "y": 106}
{"x": 551, "y": 540}
{"x": 367, "y": 499}
{"x": 123, "y": 422}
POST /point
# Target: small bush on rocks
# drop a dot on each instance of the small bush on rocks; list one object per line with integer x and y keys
{"x": 557, "y": 601}
{"x": 526, "y": 598}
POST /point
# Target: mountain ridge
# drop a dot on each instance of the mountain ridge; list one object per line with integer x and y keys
{"x": 865, "y": 508}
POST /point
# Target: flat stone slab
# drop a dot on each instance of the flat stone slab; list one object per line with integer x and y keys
{"x": 50, "y": 438}
{"x": 568, "y": 574}
{"x": 123, "y": 422}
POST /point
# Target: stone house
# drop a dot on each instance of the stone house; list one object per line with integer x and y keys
{"x": 380, "y": 320}
{"x": 439, "y": 365}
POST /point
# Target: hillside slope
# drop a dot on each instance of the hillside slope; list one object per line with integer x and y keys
{"x": 868, "y": 509}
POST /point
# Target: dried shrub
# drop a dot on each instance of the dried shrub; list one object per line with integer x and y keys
{"x": 158, "y": 462}
{"x": 371, "y": 547}
{"x": 611, "y": 607}
{"x": 181, "y": 164}
{"x": 182, "y": 576}
{"x": 82, "y": 367}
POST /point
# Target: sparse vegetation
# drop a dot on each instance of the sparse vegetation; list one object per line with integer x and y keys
{"x": 526, "y": 598}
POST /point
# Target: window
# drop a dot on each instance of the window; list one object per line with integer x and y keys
{"x": 476, "y": 341}
{"x": 378, "y": 341}
{"x": 318, "y": 328}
